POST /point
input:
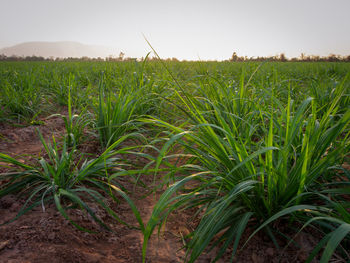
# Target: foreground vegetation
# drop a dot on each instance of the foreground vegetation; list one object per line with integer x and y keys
{"x": 262, "y": 145}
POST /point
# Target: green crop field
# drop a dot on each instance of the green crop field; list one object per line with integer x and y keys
{"x": 252, "y": 147}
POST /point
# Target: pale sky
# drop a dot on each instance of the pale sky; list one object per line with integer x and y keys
{"x": 189, "y": 29}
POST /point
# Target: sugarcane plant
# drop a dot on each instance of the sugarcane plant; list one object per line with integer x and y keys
{"x": 68, "y": 180}
{"x": 255, "y": 168}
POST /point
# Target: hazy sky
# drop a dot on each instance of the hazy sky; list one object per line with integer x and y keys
{"x": 189, "y": 29}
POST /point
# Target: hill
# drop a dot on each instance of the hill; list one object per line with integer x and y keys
{"x": 61, "y": 49}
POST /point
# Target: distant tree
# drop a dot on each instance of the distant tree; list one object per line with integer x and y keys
{"x": 315, "y": 58}
{"x": 282, "y": 57}
{"x": 334, "y": 58}
{"x": 121, "y": 56}
{"x": 234, "y": 57}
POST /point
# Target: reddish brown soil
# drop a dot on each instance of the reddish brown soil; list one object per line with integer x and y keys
{"x": 47, "y": 237}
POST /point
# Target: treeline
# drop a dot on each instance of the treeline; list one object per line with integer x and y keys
{"x": 303, "y": 58}
{"x": 234, "y": 58}
{"x": 39, "y": 58}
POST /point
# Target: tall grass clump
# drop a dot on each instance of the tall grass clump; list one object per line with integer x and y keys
{"x": 114, "y": 115}
{"x": 68, "y": 180}
{"x": 118, "y": 109}
{"x": 255, "y": 162}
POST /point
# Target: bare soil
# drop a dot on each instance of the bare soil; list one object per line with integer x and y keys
{"x": 45, "y": 236}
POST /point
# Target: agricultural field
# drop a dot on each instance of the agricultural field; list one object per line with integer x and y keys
{"x": 166, "y": 161}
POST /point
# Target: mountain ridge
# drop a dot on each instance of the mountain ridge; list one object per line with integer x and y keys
{"x": 60, "y": 49}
